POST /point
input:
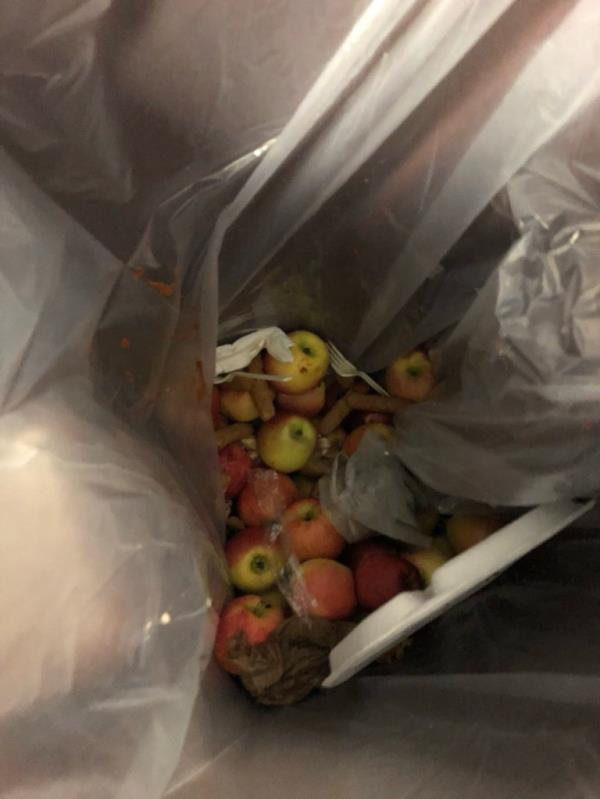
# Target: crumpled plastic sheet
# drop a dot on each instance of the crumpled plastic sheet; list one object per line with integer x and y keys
{"x": 518, "y": 407}
{"x": 109, "y": 617}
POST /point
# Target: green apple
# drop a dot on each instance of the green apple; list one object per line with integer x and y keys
{"x": 286, "y": 442}
{"x": 254, "y": 559}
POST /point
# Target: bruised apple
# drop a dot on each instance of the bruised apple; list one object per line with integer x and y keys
{"x": 410, "y": 377}
{"x": 249, "y": 616}
{"x": 254, "y": 559}
{"x": 330, "y": 586}
{"x": 308, "y": 404}
{"x": 235, "y": 466}
{"x": 310, "y": 361}
{"x": 286, "y": 442}
{"x": 310, "y": 533}
{"x": 265, "y": 497}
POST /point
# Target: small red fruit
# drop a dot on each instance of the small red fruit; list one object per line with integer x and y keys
{"x": 235, "y": 466}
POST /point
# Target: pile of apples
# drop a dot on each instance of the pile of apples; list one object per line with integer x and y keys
{"x": 271, "y": 454}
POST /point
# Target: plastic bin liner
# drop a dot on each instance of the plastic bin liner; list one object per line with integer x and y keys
{"x": 438, "y": 179}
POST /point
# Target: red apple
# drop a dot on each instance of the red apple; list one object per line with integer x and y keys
{"x": 380, "y": 575}
{"x": 310, "y": 360}
{"x": 410, "y": 377}
{"x": 265, "y": 497}
{"x": 286, "y": 442}
{"x": 238, "y": 405}
{"x": 310, "y": 533}
{"x": 254, "y": 559}
{"x": 330, "y": 586}
{"x": 352, "y": 441}
{"x": 308, "y": 404}
{"x": 368, "y": 545}
{"x": 249, "y": 616}
{"x": 235, "y": 466}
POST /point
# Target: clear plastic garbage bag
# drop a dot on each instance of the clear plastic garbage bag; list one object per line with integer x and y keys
{"x": 440, "y": 171}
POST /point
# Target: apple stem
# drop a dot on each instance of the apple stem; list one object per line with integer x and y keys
{"x": 259, "y": 609}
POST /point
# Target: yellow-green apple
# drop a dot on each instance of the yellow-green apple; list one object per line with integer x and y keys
{"x": 465, "y": 531}
{"x": 380, "y": 573}
{"x": 238, "y": 405}
{"x": 249, "y": 616}
{"x": 352, "y": 441}
{"x": 286, "y": 442}
{"x": 265, "y": 497}
{"x": 308, "y": 404}
{"x": 330, "y": 587}
{"x": 310, "y": 534}
{"x": 235, "y": 466}
{"x": 410, "y": 377}
{"x": 427, "y": 561}
{"x": 310, "y": 361}
{"x": 254, "y": 559}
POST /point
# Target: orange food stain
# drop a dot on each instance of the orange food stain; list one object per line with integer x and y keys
{"x": 165, "y": 289}
{"x": 125, "y": 343}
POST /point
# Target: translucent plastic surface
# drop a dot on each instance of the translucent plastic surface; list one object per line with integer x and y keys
{"x": 441, "y": 172}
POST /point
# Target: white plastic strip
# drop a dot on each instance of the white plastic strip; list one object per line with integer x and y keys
{"x": 456, "y": 580}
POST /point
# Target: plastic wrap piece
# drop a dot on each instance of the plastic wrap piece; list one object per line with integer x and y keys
{"x": 55, "y": 112}
{"x": 108, "y": 616}
{"x": 515, "y": 421}
{"x": 405, "y": 138}
{"x": 371, "y": 491}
